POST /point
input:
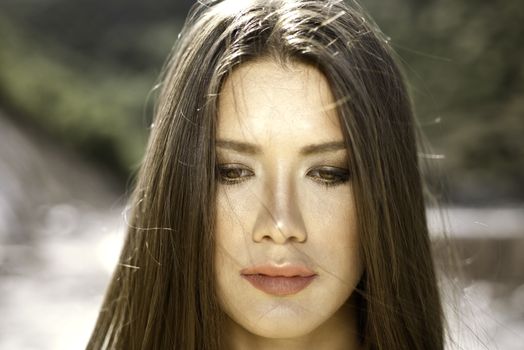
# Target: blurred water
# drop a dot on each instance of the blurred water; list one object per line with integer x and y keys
{"x": 61, "y": 228}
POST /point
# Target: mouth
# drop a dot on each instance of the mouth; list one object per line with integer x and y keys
{"x": 279, "y": 280}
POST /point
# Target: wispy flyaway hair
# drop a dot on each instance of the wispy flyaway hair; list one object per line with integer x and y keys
{"x": 163, "y": 293}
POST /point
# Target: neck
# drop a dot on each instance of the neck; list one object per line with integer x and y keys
{"x": 338, "y": 332}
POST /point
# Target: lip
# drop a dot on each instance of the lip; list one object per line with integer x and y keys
{"x": 279, "y": 280}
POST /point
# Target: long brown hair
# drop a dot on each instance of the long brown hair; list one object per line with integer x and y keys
{"x": 162, "y": 293}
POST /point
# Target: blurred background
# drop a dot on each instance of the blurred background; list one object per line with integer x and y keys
{"x": 75, "y": 111}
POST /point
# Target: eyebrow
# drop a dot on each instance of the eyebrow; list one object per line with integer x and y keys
{"x": 252, "y": 149}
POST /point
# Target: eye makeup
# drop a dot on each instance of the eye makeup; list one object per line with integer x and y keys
{"x": 328, "y": 176}
{"x": 233, "y": 174}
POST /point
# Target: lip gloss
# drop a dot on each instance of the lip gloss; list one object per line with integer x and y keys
{"x": 279, "y": 285}
{"x": 279, "y": 280}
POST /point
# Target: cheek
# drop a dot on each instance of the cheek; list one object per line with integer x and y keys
{"x": 233, "y": 219}
{"x": 333, "y": 238}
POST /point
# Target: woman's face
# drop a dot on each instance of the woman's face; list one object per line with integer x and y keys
{"x": 287, "y": 245}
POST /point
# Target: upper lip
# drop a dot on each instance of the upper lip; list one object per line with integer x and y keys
{"x": 287, "y": 270}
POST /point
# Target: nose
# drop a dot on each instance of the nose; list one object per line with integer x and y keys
{"x": 279, "y": 216}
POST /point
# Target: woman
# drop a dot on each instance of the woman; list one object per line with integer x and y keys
{"x": 279, "y": 204}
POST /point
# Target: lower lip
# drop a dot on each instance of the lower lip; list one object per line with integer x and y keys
{"x": 279, "y": 285}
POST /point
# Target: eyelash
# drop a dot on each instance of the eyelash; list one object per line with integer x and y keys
{"x": 341, "y": 174}
{"x": 222, "y": 170}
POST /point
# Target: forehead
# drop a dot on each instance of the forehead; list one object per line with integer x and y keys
{"x": 262, "y": 102}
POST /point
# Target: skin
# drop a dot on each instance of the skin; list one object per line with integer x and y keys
{"x": 281, "y": 211}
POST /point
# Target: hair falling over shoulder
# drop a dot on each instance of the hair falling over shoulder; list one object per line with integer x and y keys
{"x": 167, "y": 300}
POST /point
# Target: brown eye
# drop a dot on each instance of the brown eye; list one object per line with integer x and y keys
{"x": 233, "y": 174}
{"x": 330, "y": 176}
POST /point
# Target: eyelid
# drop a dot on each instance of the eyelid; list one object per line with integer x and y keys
{"x": 329, "y": 168}
{"x": 342, "y": 175}
{"x": 233, "y": 166}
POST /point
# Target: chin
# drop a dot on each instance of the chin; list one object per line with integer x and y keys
{"x": 286, "y": 331}
{"x": 280, "y": 324}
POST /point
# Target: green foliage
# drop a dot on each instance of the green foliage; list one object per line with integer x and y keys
{"x": 95, "y": 108}
{"x": 464, "y": 61}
